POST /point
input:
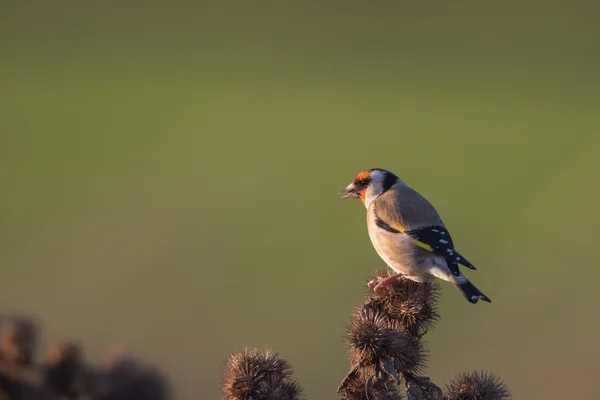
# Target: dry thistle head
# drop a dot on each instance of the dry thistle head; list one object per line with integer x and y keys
{"x": 413, "y": 304}
{"x": 477, "y": 385}
{"x": 362, "y": 385}
{"x": 286, "y": 391}
{"x": 123, "y": 377}
{"x": 376, "y": 341}
{"x": 254, "y": 374}
{"x": 62, "y": 352}
{"x": 114, "y": 378}
{"x": 62, "y": 369}
{"x": 18, "y": 335}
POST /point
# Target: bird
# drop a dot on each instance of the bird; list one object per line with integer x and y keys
{"x": 408, "y": 234}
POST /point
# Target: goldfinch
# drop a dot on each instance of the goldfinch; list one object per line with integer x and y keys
{"x": 408, "y": 233}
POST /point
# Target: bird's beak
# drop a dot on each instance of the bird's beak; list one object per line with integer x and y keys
{"x": 350, "y": 191}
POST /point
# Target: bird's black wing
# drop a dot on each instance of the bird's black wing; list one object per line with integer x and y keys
{"x": 436, "y": 239}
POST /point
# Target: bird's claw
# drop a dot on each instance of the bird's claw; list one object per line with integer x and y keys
{"x": 379, "y": 283}
{"x": 373, "y": 282}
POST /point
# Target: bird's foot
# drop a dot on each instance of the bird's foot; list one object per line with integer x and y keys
{"x": 380, "y": 282}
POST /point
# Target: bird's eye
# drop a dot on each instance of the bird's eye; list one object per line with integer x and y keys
{"x": 362, "y": 184}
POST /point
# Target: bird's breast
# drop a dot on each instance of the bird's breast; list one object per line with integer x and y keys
{"x": 396, "y": 250}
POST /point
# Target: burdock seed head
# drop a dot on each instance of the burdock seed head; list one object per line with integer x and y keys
{"x": 18, "y": 337}
{"x": 477, "y": 385}
{"x": 363, "y": 386}
{"x": 121, "y": 376}
{"x": 417, "y": 317}
{"x": 374, "y": 340}
{"x": 286, "y": 391}
{"x": 254, "y": 374}
{"x": 405, "y": 288}
{"x": 412, "y": 304}
{"x": 63, "y": 368}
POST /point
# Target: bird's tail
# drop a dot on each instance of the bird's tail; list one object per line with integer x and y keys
{"x": 471, "y": 293}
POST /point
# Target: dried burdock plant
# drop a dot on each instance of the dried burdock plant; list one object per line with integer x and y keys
{"x": 412, "y": 304}
{"x": 385, "y": 347}
{"x": 374, "y": 340}
{"x": 63, "y": 369}
{"x": 361, "y": 384}
{"x": 18, "y": 336}
{"x": 254, "y": 374}
{"x": 421, "y": 388}
{"x": 477, "y": 385}
{"x": 384, "y": 339}
{"x": 122, "y": 377}
{"x": 286, "y": 391}
{"x": 63, "y": 374}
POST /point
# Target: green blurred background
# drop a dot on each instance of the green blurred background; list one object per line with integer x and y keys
{"x": 170, "y": 175}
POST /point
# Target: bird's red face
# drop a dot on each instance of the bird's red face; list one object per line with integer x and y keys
{"x": 358, "y": 188}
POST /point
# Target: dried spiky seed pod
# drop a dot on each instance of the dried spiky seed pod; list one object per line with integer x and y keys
{"x": 18, "y": 335}
{"x": 286, "y": 391}
{"x": 477, "y": 385}
{"x": 121, "y": 376}
{"x": 361, "y": 384}
{"x": 375, "y": 341}
{"x": 412, "y": 304}
{"x": 406, "y": 288}
{"x": 63, "y": 369}
{"x": 417, "y": 317}
{"x": 254, "y": 374}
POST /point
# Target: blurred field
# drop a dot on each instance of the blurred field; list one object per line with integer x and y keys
{"x": 170, "y": 177}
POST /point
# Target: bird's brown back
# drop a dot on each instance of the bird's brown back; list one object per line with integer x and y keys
{"x": 405, "y": 207}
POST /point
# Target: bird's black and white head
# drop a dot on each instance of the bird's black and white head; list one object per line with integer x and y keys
{"x": 369, "y": 184}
